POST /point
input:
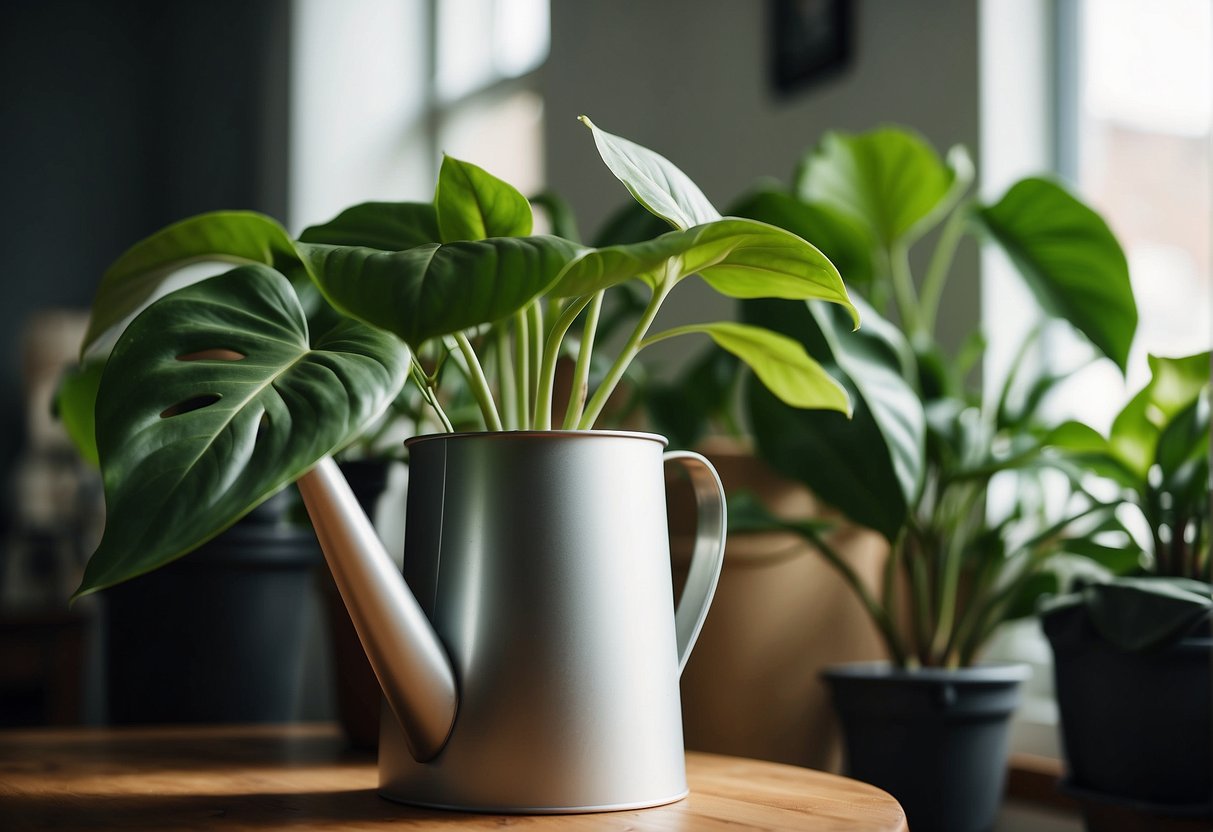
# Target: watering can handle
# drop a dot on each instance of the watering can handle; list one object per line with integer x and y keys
{"x": 707, "y": 556}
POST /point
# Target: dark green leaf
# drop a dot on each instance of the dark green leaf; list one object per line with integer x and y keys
{"x": 387, "y": 226}
{"x": 1023, "y": 604}
{"x": 1070, "y": 260}
{"x": 1119, "y": 560}
{"x": 211, "y": 401}
{"x": 472, "y": 204}
{"x": 436, "y": 290}
{"x": 871, "y": 467}
{"x": 1147, "y": 613}
{"x": 223, "y": 236}
{"x": 653, "y": 180}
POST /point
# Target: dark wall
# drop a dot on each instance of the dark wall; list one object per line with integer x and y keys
{"x": 118, "y": 117}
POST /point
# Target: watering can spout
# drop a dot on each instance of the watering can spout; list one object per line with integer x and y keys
{"x": 406, "y": 654}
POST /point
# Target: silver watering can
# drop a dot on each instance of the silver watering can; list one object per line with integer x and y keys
{"x": 532, "y": 662}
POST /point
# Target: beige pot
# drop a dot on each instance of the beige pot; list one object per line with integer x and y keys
{"x": 781, "y": 614}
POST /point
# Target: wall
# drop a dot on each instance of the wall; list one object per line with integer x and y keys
{"x": 688, "y": 79}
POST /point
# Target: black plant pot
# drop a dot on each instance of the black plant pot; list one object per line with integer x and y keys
{"x": 219, "y": 635}
{"x": 1137, "y": 726}
{"x": 934, "y": 739}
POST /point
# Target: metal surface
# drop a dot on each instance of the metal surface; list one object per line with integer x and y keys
{"x": 542, "y": 559}
{"x": 409, "y": 660}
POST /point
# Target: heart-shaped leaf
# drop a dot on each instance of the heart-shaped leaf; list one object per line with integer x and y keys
{"x": 1070, "y": 260}
{"x": 739, "y": 258}
{"x": 890, "y": 180}
{"x": 871, "y": 467}
{"x": 436, "y": 290}
{"x": 654, "y": 181}
{"x": 387, "y": 226}
{"x": 838, "y": 236}
{"x": 212, "y": 400}
{"x": 779, "y": 362}
{"x": 224, "y": 236}
{"x": 472, "y": 204}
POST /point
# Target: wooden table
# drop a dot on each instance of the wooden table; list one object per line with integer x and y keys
{"x": 302, "y": 776}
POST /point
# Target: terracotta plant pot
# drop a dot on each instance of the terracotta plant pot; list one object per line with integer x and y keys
{"x": 780, "y": 616}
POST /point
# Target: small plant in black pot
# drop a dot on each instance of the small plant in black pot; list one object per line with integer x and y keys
{"x": 917, "y": 460}
{"x": 1147, "y": 750}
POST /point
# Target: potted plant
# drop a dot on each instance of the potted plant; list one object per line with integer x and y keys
{"x": 917, "y": 461}
{"x": 1142, "y": 757}
{"x": 219, "y": 393}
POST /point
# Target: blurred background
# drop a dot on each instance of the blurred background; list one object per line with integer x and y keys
{"x": 118, "y": 117}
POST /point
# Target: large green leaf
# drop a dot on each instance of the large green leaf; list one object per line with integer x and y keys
{"x": 890, "y": 180}
{"x": 654, "y": 181}
{"x": 780, "y": 363}
{"x": 472, "y": 204}
{"x": 436, "y": 290}
{"x": 1070, "y": 260}
{"x": 387, "y": 226}
{"x": 837, "y": 236}
{"x": 224, "y": 236}
{"x": 739, "y": 258}
{"x": 871, "y": 467}
{"x": 212, "y": 400}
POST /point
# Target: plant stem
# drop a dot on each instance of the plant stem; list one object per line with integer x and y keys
{"x": 522, "y": 368}
{"x": 535, "y": 324}
{"x": 903, "y": 288}
{"x": 581, "y": 373}
{"x": 941, "y": 264}
{"x": 478, "y": 383}
{"x": 551, "y": 354}
{"x": 427, "y": 391}
{"x": 604, "y": 391}
{"x": 505, "y": 376}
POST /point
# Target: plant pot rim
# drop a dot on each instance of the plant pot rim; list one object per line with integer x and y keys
{"x": 506, "y": 435}
{"x": 883, "y": 671}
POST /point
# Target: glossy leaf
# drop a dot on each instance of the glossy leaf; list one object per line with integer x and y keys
{"x": 436, "y": 290}
{"x": 737, "y": 257}
{"x": 472, "y": 204}
{"x": 1070, "y": 260}
{"x": 212, "y": 400}
{"x": 837, "y": 236}
{"x": 225, "y": 236}
{"x": 654, "y": 181}
{"x": 890, "y": 180}
{"x": 780, "y": 363}
{"x": 870, "y": 468}
{"x": 386, "y": 226}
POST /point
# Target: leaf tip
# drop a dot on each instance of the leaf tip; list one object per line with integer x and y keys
{"x": 584, "y": 119}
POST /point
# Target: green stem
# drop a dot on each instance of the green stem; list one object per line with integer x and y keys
{"x": 427, "y": 391}
{"x": 941, "y": 264}
{"x": 535, "y": 321}
{"x": 581, "y": 373}
{"x": 478, "y": 383}
{"x": 522, "y": 369}
{"x": 604, "y": 391}
{"x": 903, "y": 288}
{"x": 950, "y": 583}
{"x": 921, "y": 599}
{"x": 551, "y": 354}
{"x": 505, "y": 376}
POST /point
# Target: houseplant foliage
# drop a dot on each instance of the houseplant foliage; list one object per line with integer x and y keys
{"x": 1146, "y": 634}
{"x": 924, "y": 446}
{"x": 219, "y": 393}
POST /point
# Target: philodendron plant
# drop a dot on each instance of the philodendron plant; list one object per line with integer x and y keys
{"x": 219, "y": 393}
{"x": 1153, "y": 464}
{"x": 917, "y": 460}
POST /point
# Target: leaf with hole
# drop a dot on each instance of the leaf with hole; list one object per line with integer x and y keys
{"x": 214, "y": 398}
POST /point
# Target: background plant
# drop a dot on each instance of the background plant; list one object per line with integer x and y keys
{"x": 917, "y": 461}
{"x": 219, "y": 393}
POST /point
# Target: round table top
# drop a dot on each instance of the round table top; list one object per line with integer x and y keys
{"x": 244, "y": 777}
